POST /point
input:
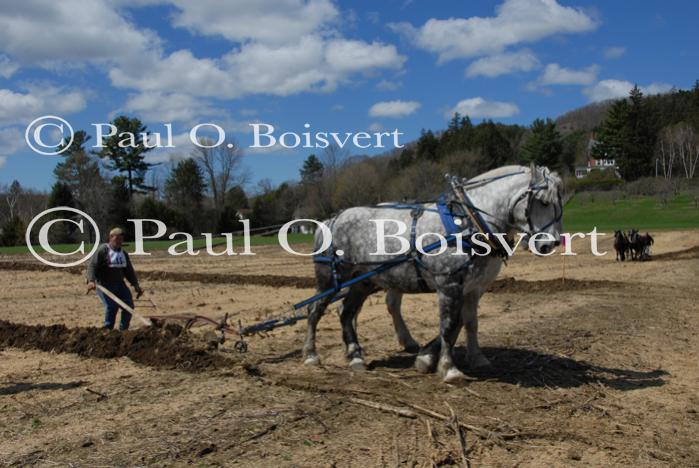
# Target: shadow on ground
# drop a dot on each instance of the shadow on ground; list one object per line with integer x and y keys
{"x": 529, "y": 368}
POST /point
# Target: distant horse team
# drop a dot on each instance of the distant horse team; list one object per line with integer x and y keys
{"x": 632, "y": 244}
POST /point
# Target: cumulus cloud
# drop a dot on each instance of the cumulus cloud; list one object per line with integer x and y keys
{"x": 394, "y": 109}
{"x": 278, "y": 47}
{"x": 515, "y": 22}
{"x": 312, "y": 64}
{"x": 36, "y": 31}
{"x": 153, "y": 106}
{"x": 21, "y": 108}
{"x": 7, "y": 66}
{"x": 503, "y": 64}
{"x": 267, "y": 21}
{"x": 554, "y": 74}
{"x": 613, "y": 52}
{"x": 11, "y": 141}
{"x": 615, "y": 89}
{"x": 478, "y": 107}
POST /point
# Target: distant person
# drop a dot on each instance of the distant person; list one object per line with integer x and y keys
{"x": 108, "y": 267}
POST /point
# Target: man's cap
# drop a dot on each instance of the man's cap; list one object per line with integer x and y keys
{"x": 116, "y": 232}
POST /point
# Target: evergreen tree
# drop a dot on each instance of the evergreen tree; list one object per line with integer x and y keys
{"x": 544, "y": 146}
{"x": 119, "y": 206}
{"x": 126, "y": 154}
{"x": 61, "y": 233}
{"x": 495, "y": 149}
{"x": 184, "y": 190}
{"x": 79, "y": 170}
{"x": 427, "y": 146}
{"x": 12, "y": 232}
{"x": 61, "y": 196}
{"x": 312, "y": 170}
{"x": 236, "y": 198}
{"x": 628, "y": 136}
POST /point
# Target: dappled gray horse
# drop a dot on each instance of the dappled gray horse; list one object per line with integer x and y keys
{"x": 511, "y": 200}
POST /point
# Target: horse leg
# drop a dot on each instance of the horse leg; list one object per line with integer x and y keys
{"x": 351, "y": 306}
{"x": 315, "y": 312}
{"x": 450, "y": 305}
{"x": 393, "y": 301}
{"x": 470, "y": 317}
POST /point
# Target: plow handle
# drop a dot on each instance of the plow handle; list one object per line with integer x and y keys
{"x": 123, "y": 305}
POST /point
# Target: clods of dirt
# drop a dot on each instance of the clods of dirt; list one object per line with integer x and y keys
{"x": 511, "y": 285}
{"x": 164, "y": 346}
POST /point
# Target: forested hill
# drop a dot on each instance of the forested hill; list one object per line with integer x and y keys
{"x": 634, "y": 131}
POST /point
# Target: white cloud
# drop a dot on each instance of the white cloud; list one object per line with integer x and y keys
{"x": 615, "y": 89}
{"x": 168, "y": 107}
{"x": 478, "y": 107}
{"x": 376, "y": 127}
{"x": 21, "y": 108}
{"x": 656, "y": 88}
{"x": 36, "y": 31}
{"x": 503, "y": 64}
{"x": 613, "y": 52}
{"x": 387, "y": 85}
{"x": 11, "y": 141}
{"x": 554, "y": 74}
{"x": 266, "y": 21}
{"x": 516, "y": 21}
{"x": 394, "y": 109}
{"x": 278, "y": 47}
{"x": 7, "y": 66}
{"x": 312, "y": 64}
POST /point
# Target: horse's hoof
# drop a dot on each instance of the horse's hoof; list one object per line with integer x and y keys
{"x": 412, "y": 347}
{"x": 357, "y": 364}
{"x": 478, "y": 362}
{"x": 424, "y": 363}
{"x": 454, "y": 376}
{"x": 312, "y": 360}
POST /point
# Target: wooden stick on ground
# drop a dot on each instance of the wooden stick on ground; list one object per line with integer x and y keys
{"x": 123, "y": 305}
{"x": 460, "y": 436}
{"x": 383, "y": 407}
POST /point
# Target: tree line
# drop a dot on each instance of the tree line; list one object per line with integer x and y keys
{"x": 205, "y": 192}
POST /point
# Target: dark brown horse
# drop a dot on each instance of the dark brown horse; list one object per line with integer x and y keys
{"x": 640, "y": 245}
{"x": 621, "y": 245}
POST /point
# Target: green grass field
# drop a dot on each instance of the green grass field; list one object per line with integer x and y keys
{"x": 588, "y": 210}
{"x": 606, "y": 211}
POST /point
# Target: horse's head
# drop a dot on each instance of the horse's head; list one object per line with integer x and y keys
{"x": 538, "y": 209}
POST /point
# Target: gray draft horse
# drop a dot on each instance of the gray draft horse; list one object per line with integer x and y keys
{"x": 511, "y": 199}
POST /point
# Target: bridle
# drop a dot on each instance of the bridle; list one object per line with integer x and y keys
{"x": 529, "y": 194}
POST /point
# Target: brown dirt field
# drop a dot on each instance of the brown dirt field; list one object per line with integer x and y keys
{"x": 599, "y": 370}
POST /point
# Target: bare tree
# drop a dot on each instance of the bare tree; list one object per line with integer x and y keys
{"x": 667, "y": 153}
{"x": 333, "y": 157}
{"x": 688, "y": 148}
{"x": 679, "y": 143}
{"x": 223, "y": 166}
{"x": 12, "y": 195}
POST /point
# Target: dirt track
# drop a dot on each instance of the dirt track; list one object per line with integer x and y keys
{"x": 599, "y": 370}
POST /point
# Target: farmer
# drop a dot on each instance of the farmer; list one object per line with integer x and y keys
{"x": 108, "y": 268}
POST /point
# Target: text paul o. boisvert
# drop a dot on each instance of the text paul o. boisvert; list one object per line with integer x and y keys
{"x": 264, "y": 136}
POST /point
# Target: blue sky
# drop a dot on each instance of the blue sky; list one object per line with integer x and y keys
{"x": 339, "y": 66}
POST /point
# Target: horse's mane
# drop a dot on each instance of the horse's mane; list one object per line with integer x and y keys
{"x": 544, "y": 176}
